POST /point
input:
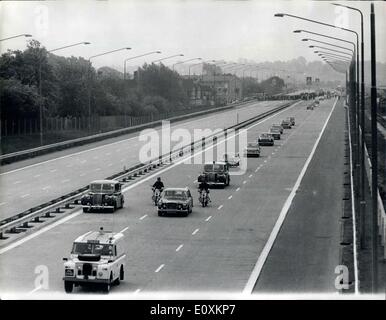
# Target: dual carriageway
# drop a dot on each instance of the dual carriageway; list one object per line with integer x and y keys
{"x": 222, "y": 248}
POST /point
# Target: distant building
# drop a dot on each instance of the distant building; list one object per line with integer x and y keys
{"x": 208, "y": 89}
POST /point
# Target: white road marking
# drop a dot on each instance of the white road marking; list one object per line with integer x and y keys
{"x": 65, "y": 180}
{"x": 108, "y": 154}
{"x": 137, "y": 291}
{"x": 98, "y": 169}
{"x": 46, "y": 187}
{"x": 36, "y": 175}
{"x": 244, "y": 182}
{"x": 195, "y": 231}
{"x": 82, "y": 174}
{"x": 207, "y": 219}
{"x": 75, "y": 214}
{"x": 238, "y": 189}
{"x": 250, "y": 176}
{"x": 123, "y": 230}
{"x": 122, "y": 160}
{"x": 3, "y": 203}
{"x": 219, "y": 208}
{"x": 273, "y": 153}
{"x": 265, "y": 161}
{"x": 25, "y": 195}
{"x": 283, "y": 213}
{"x": 159, "y": 268}
{"x": 53, "y": 170}
{"x": 257, "y": 169}
{"x": 179, "y": 247}
{"x": 110, "y": 164}
{"x": 195, "y": 181}
{"x": 143, "y": 217}
{"x": 17, "y": 182}
{"x": 230, "y": 197}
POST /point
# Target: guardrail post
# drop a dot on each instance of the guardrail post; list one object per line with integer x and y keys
{"x": 170, "y": 156}
{"x": 203, "y": 142}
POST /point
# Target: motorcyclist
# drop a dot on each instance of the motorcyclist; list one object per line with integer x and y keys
{"x": 204, "y": 186}
{"x": 158, "y": 185}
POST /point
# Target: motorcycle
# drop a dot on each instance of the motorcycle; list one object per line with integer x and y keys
{"x": 156, "y": 195}
{"x": 203, "y": 198}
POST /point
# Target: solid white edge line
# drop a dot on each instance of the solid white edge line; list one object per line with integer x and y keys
{"x": 76, "y": 213}
{"x": 283, "y": 213}
{"x": 353, "y": 209}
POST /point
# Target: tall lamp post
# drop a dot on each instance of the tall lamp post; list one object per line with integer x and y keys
{"x": 169, "y": 57}
{"x": 131, "y": 58}
{"x": 185, "y": 61}
{"x": 17, "y": 36}
{"x": 89, "y": 80}
{"x": 40, "y": 85}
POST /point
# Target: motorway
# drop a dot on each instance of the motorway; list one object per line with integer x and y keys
{"x": 214, "y": 249}
{"x": 36, "y": 181}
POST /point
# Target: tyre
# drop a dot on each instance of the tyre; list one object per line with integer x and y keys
{"x": 68, "y": 286}
{"x": 107, "y": 286}
{"x": 85, "y": 210}
{"x": 160, "y": 214}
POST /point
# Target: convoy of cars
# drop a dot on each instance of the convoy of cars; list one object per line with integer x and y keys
{"x": 98, "y": 258}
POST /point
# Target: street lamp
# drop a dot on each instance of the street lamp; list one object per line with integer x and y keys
{"x": 40, "y": 85}
{"x": 338, "y": 51}
{"x": 333, "y": 54}
{"x": 89, "y": 80}
{"x": 185, "y": 61}
{"x": 362, "y": 116}
{"x": 330, "y": 44}
{"x": 142, "y": 55}
{"x": 196, "y": 64}
{"x": 169, "y": 57}
{"x": 19, "y": 35}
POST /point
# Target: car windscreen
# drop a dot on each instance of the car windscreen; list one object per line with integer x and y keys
{"x": 96, "y": 187}
{"x": 93, "y": 248}
{"x": 175, "y": 195}
{"x": 252, "y": 145}
{"x": 213, "y": 167}
{"x": 108, "y": 187}
{"x": 264, "y": 136}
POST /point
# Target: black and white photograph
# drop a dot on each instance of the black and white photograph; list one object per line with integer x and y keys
{"x": 168, "y": 150}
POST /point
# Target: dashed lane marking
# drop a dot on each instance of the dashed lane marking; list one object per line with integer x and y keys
{"x": 53, "y": 170}
{"x": 250, "y": 176}
{"x": 219, "y": 208}
{"x": 230, "y": 197}
{"x": 238, "y": 189}
{"x": 195, "y": 231}
{"x": 143, "y": 217}
{"x": 179, "y": 247}
{"x": 46, "y": 187}
{"x": 36, "y": 175}
{"x": 244, "y": 182}
{"x": 123, "y": 230}
{"x": 207, "y": 219}
{"x": 159, "y": 268}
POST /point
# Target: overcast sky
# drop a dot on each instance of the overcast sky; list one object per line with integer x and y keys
{"x": 220, "y": 30}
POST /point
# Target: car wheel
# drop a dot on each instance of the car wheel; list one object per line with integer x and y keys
{"x": 68, "y": 286}
{"x": 160, "y": 214}
{"x": 85, "y": 210}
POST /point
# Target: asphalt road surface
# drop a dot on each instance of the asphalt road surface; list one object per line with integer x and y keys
{"x": 213, "y": 249}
